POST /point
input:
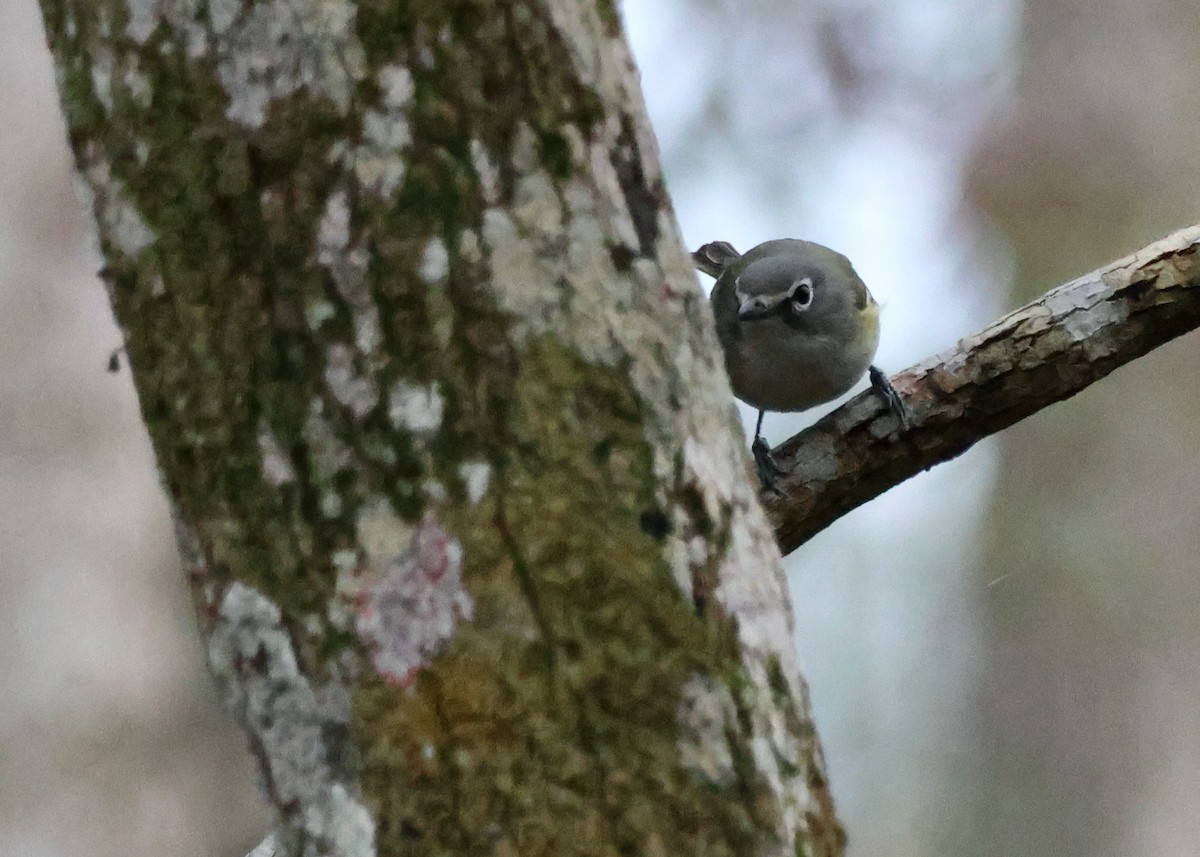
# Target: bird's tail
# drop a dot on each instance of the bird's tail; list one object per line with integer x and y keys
{"x": 714, "y": 257}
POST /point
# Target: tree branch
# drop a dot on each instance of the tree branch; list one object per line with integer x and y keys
{"x": 1042, "y": 353}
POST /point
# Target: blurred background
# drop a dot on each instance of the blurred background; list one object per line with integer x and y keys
{"x": 1004, "y": 652}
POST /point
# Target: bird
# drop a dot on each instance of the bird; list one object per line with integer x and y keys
{"x": 798, "y": 328}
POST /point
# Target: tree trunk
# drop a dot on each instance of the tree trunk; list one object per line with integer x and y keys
{"x": 440, "y": 411}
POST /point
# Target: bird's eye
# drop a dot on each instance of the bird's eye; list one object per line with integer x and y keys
{"x": 802, "y": 296}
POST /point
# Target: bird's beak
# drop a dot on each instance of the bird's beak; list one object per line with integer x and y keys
{"x": 760, "y": 306}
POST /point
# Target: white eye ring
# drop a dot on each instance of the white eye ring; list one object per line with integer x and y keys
{"x": 802, "y": 294}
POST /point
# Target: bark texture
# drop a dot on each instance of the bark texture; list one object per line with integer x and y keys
{"x": 1035, "y": 356}
{"x": 438, "y": 404}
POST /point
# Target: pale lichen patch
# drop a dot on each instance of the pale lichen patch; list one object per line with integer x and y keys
{"x": 583, "y": 33}
{"x": 416, "y": 409}
{"x": 536, "y": 205}
{"x": 475, "y": 476}
{"x": 249, "y": 636}
{"x": 355, "y": 287}
{"x": 317, "y": 312}
{"x": 398, "y": 86}
{"x": 331, "y": 504}
{"x": 378, "y": 163}
{"x": 435, "y": 262}
{"x": 121, "y": 224}
{"x": 410, "y": 608}
{"x": 329, "y": 453}
{"x": 348, "y": 265}
{"x": 378, "y": 160}
{"x": 346, "y": 564}
{"x": 339, "y": 825}
{"x": 350, "y": 388}
{"x": 705, "y": 716}
{"x": 137, "y": 83}
{"x": 251, "y": 654}
{"x": 487, "y": 172}
{"x": 125, "y": 227}
{"x": 468, "y": 246}
{"x": 677, "y": 555}
{"x": 222, "y": 14}
{"x": 276, "y": 468}
{"x": 144, "y": 17}
{"x": 333, "y": 229}
{"x": 381, "y": 533}
{"x": 525, "y": 286}
{"x": 276, "y": 48}
{"x": 435, "y": 492}
{"x": 103, "y": 65}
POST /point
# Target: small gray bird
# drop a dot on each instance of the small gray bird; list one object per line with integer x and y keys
{"x": 798, "y": 326}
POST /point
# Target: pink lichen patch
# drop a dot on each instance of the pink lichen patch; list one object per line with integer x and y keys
{"x": 407, "y": 613}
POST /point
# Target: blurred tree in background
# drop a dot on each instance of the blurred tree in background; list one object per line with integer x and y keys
{"x": 1004, "y": 653}
{"x": 1088, "y": 707}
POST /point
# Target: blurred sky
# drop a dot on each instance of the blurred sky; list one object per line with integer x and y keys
{"x": 1004, "y": 652}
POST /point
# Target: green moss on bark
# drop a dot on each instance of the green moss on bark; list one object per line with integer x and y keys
{"x": 550, "y": 723}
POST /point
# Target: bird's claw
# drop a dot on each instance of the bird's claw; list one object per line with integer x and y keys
{"x": 768, "y": 468}
{"x": 881, "y": 385}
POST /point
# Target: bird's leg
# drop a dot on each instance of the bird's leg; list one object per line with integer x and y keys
{"x": 881, "y": 385}
{"x": 768, "y": 468}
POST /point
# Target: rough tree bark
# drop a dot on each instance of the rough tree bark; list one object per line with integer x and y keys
{"x": 439, "y": 409}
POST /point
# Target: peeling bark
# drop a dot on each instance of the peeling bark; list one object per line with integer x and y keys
{"x": 1040, "y": 354}
{"x": 440, "y": 411}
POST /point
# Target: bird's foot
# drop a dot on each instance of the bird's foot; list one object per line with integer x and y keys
{"x": 768, "y": 468}
{"x": 881, "y": 385}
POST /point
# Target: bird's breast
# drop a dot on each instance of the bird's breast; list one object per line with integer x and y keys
{"x": 782, "y": 370}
